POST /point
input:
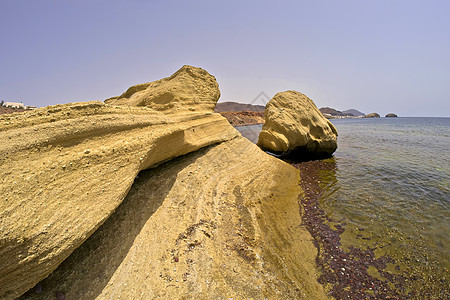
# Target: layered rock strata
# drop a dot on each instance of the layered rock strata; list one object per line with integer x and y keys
{"x": 188, "y": 89}
{"x": 66, "y": 168}
{"x": 211, "y": 224}
{"x": 293, "y": 125}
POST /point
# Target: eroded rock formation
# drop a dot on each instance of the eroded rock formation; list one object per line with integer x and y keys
{"x": 212, "y": 223}
{"x": 66, "y": 168}
{"x": 190, "y": 88}
{"x": 294, "y": 125}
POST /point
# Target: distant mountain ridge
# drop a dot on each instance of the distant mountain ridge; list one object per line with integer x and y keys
{"x": 354, "y": 112}
{"x": 235, "y": 106}
{"x": 331, "y": 112}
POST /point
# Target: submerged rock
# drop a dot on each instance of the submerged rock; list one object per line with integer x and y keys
{"x": 295, "y": 126}
{"x": 372, "y": 115}
{"x": 66, "y": 168}
{"x": 391, "y": 115}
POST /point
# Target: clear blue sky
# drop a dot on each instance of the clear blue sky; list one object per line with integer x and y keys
{"x": 376, "y": 56}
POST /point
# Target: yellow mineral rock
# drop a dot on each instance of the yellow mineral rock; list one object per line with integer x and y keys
{"x": 213, "y": 224}
{"x": 294, "y": 124}
{"x": 189, "y": 88}
{"x": 66, "y": 168}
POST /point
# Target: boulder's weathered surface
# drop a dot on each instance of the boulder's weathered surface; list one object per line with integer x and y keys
{"x": 294, "y": 124}
{"x": 66, "y": 168}
{"x": 211, "y": 224}
{"x": 391, "y": 115}
{"x": 372, "y": 115}
{"x": 189, "y": 88}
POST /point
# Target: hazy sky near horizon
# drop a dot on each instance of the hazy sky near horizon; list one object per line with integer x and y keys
{"x": 375, "y": 56}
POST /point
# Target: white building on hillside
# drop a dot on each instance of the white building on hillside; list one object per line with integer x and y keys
{"x": 13, "y": 104}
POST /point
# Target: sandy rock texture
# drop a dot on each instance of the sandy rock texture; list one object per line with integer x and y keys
{"x": 213, "y": 224}
{"x": 66, "y": 168}
{"x": 294, "y": 124}
{"x": 189, "y": 88}
{"x": 212, "y": 216}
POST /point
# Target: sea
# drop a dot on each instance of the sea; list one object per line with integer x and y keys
{"x": 389, "y": 186}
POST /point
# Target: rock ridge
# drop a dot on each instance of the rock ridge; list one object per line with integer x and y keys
{"x": 204, "y": 219}
{"x": 67, "y": 168}
{"x": 188, "y": 89}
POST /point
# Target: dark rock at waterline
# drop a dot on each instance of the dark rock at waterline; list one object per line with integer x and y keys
{"x": 391, "y": 115}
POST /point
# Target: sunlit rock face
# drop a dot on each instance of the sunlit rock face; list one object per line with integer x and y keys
{"x": 220, "y": 222}
{"x": 66, "y": 168}
{"x": 293, "y": 125}
{"x": 211, "y": 215}
{"x": 190, "y": 88}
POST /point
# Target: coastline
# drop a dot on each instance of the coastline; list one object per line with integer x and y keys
{"x": 243, "y": 118}
{"x": 343, "y": 273}
{"x": 367, "y": 268}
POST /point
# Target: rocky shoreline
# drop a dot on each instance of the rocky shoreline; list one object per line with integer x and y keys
{"x": 150, "y": 194}
{"x": 344, "y": 273}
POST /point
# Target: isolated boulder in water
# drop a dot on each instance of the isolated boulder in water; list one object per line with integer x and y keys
{"x": 372, "y": 115}
{"x": 66, "y": 168}
{"x": 294, "y": 125}
{"x": 189, "y": 88}
{"x": 391, "y": 115}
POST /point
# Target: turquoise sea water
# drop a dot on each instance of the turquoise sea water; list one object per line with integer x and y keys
{"x": 390, "y": 182}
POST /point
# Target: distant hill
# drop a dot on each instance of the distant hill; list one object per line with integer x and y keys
{"x": 331, "y": 111}
{"x": 235, "y": 106}
{"x": 354, "y": 112}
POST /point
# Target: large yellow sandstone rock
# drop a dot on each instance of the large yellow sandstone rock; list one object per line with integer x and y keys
{"x": 66, "y": 168}
{"x": 189, "y": 88}
{"x": 294, "y": 124}
{"x": 213, "y": 224}
{"x": 210, "y": 224}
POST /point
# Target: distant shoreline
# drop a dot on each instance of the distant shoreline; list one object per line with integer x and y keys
{"x": 243, "y": 118}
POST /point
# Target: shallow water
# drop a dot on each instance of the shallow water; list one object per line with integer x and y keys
{"x": 391, "y": 185}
